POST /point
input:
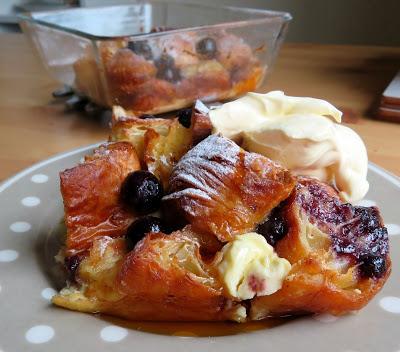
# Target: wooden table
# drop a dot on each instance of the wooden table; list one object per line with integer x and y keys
{"x": 33, "y": 126}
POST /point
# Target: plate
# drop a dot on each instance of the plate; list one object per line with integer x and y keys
{"x": 31, "y": 232}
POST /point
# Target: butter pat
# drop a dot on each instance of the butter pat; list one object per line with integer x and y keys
{"x": 302, "y": 134}
{"x": 249, "y": 266}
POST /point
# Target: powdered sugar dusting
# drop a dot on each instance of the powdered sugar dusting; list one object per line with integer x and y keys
{"x": 206, "y": 165}
{"x": 225, "y": 190}
{"x": 193, "y": 192}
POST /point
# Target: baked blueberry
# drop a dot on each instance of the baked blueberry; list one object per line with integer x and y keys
{"x": 274, "y": 228}
{"x": 185, "y": 117}
{"x": 372, "y": 266}
{"x": 165, "y": 60}
{"x": 166, "y": 69}
{"x": 170, "y": 74}
{"x": 71, "y": 264}
{"x": 141, "y": 191}
{"x": 207, "y": 47}
{"x": 141, "y": 48}
{"x": 140, "y": 227}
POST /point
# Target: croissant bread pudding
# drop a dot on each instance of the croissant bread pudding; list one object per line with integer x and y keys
{"x": 240, "y": 213}
{"x": 169, "y": 72}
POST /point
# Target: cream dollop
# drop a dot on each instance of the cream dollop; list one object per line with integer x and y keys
{"x": 303, "y": 134}
{"x": 249, "y": 266}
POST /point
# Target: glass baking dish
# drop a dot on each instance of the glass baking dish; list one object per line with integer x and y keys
{"x": 151, "y": 57}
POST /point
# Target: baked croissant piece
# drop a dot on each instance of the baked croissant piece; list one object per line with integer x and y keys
{"x": 160, "y": 143}
{"x": 91, "y": 195}
{"x": 135, "y": 265}
{"x": 223, "y": 190}
{"x": 339, "y": 253}
{"x": 162, "y": 278}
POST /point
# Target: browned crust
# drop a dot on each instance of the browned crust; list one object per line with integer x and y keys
{"x": 310, "y": 288}
{"x": 125, "y": 70}
{"x": 144, "y": 276}
{"x": 141, "y": 285}
{"x": 223, "y": 190}
{"x": 320, "y": 281}
{"x": 91, "y": 195}
{"x": 201, "y": 125}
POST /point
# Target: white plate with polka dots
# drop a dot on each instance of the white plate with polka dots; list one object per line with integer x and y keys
{"x": 30, "y": 213}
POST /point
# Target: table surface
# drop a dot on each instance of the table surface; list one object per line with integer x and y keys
{"x": 33, "y": 126}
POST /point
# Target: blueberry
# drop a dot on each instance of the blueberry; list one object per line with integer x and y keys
{"x": 141, "y": 48}
{"x": 141, "y": 191}
{"x": 165, "y": 60}
{"x": 274, "y": 228}
{"x": 372, "y": 266}
{"x": 185, "y": 117}
{"x": 140, "y": 227}
{"x": 71, "y": 264}
{"x": 207, "y": 47}
{"x": 166, "y": 69}
{"x": 169, "y": 74}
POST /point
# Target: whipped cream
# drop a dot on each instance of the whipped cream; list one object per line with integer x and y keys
{"x": 249, "y": 266}
{"x": 302, "y": 134}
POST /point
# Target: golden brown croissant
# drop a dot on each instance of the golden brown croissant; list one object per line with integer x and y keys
{"x": 223, "y": 190}
{"x": 126, "y": 126}
{"x": 160, "y": 143}
{"x": 163, "y": 278}
{"x": 91, "y": 195}
{"x": 338, "y": 252}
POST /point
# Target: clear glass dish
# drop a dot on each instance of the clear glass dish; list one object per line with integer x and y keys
{"x": 151, "y": 57}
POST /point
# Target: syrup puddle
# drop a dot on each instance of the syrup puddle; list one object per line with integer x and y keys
{"x": 196, "y": 329}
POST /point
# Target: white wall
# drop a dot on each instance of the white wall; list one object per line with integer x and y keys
{"x": 7, "y": 5}
{"x": 335, "y": 21}
{"x": 373, "y": 22}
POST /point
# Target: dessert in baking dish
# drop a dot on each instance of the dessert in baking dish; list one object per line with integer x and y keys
{"x": 169, "y": 72}
{"x": 205, "y": 217}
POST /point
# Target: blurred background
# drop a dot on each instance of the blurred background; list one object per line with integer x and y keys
{"x": 372, "y": 22}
